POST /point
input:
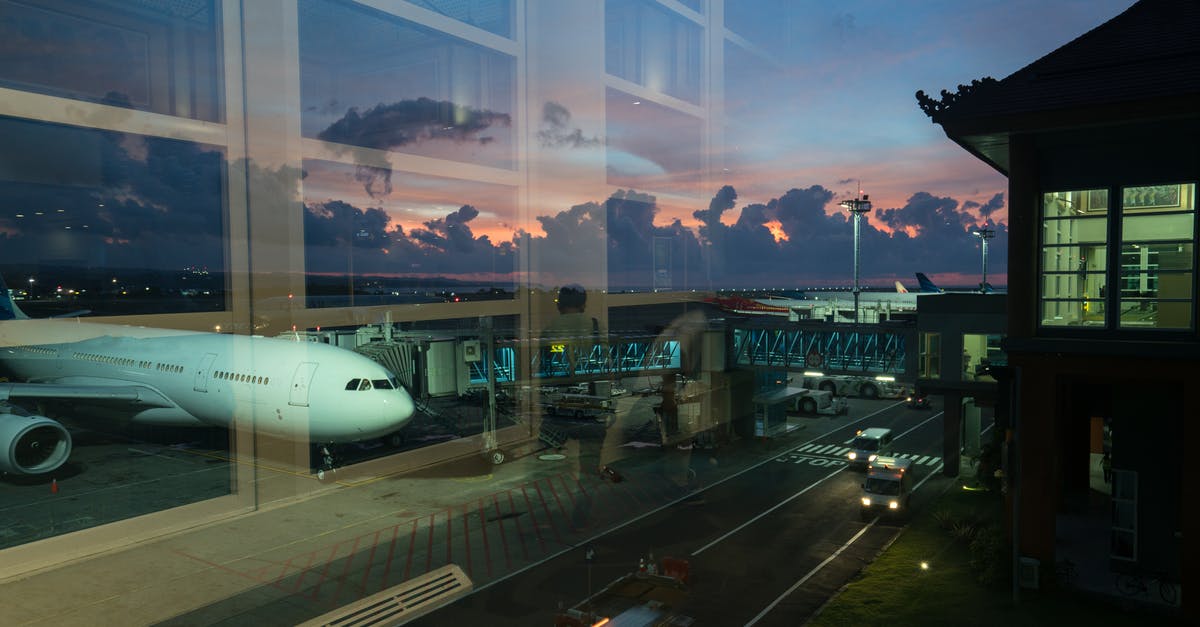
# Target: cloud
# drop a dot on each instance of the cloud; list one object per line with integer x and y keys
{"x": 391, "y": 126}
{"x": 554, "y": 133}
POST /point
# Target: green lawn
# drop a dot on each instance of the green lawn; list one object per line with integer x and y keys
{"x": 895, "y": 590}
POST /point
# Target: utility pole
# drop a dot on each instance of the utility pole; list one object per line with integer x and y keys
{"x": 984, "y": 234}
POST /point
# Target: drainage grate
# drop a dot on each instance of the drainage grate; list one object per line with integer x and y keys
{"x": 401, "y": 603}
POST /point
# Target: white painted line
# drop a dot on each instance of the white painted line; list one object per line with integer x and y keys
{"x": 773, "y": 508}
{"x": 922, "y": 460}
{"x": 807, "y": 447}
{"x": 842, "y": 451}
{"x": 824, "y": 449}
{"x": 812, "y": 572}
{"x": 935, "y": 460}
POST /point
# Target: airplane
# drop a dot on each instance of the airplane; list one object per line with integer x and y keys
{"x": 928, "y": 286}
{"x": 299, "y": 390}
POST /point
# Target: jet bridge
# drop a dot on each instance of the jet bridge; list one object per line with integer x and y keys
{"x": 833, "y": 349}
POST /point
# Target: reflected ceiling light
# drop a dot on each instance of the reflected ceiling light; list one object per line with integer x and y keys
{"x": 637, "y": 102}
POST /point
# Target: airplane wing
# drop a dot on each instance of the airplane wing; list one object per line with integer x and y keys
{"x": 133, "y": 396}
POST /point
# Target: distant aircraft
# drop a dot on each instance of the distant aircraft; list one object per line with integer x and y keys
{"x": 927, "y": 286}
{"x": 900, "y": 289}
{"x": 299, "y": 390}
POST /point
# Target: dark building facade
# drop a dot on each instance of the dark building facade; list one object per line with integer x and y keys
{"x": 1100, "y": 141}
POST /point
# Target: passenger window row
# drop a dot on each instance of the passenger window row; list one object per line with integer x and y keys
{"x": 241, "y": 378}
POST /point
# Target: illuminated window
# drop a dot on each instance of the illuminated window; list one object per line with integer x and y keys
{"x": 930, "y": 366}
{"x": 1074, "y": 258}
{"x": 1157, "y": 235}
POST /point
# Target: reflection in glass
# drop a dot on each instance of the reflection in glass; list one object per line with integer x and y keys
{"x": 87, "y": 213}
{"x": 1073, "y": 274}
{"x": 495, "y": 16}
{"x": 156, "y": 56}
{"x": 1156, "y": 272}
{"x": 375, "y": 236}
{"x": 651, "y": 147}
{"x": 376, "y": 81}
{"x": 647, "y": 44}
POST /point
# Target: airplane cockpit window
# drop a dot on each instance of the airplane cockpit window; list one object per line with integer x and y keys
{"x": 365, "y": 385}
{"x": 382, "y": 384}
{"x": 353, "y": 384}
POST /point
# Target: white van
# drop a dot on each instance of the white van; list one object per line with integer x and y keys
{"x": 887, "y": 488}
{"x": 869, "y": 444}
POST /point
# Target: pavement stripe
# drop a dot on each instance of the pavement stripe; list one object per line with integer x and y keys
{"x": 921, "y": 460}
{"x": 934, "y": 460}
{"x": 533, "y": 517}
{"x": 806, "y": 447}
{"x": 842, "y": 451}
{"x": 512, "y": 507}
{"x": 503, "y": 533}
{"x": 429, "y": 551}
{"x": 370, "y": 561}
{"x": 487, "y": 549}
{"x": 412, "y": 547}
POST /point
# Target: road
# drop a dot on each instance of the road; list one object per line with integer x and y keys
{"x": 768, "y": 544}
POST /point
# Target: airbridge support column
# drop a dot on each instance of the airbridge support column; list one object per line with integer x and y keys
{"x": 971, "y": 424}
{"x": 952, "y": 434}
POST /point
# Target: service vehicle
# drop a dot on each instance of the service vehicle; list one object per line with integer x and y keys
{"x": 580, "y": 406}
{"x": 862, "y": 386}
{"x": 819, "y": 402}
{"x": 917, "y": 400}
{"x": 869, "y": 444}
{"x": 888, "y": 487}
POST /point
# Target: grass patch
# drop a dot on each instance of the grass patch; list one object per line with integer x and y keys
{"x": 967, "y": 582}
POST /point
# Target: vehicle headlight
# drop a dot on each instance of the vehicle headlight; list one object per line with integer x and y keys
{"x": 852, "y": 455}
{"x": 893, "y": 504}
{"x": 872, "y": 458}
{"x": 866, "y": 501}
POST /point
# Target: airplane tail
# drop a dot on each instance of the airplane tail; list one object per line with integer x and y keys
{"x": 9, "y": 309}
{"x": 900, "y": 289}
{"x": 986, "y": 288}
{"x": 927, "y": 286}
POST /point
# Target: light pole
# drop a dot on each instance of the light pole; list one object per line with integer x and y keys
{"x": 857, "y": 207}
{"x": 984, "y": 234}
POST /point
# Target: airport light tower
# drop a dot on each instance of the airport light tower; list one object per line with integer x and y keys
{"x": 984, "y": 234}
{"x": 857, "y": 207}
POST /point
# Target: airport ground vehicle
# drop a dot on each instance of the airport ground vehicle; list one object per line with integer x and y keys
{"x": 651, "y": 595}
{"x": 870, "y": 387}
{"x": 579, "y": 406}
{"x": 887, "y": 488}
{"x": 819, "y": 402}
{"x": 917, "y": 400}
{"x": 868, "y": 445}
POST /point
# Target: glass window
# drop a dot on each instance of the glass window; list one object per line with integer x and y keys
{"x": 981, "y": 352}
{"x": 376, "y": 236}
{"x": 86, "y": 214}
{"x": 1074, "y": 258}
{"x": 653, "y": 47}
{"x": 494, "y": 16}
{"x": 1157, "y": 234}
{"x": 930, "y": 366}
{"x": 153, "y": 55}
{"x": 376, "y": 81}
{"x": 637, "y": 158}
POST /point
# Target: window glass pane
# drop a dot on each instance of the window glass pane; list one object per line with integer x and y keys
{"x": 1072, "y": 313}
{"x": 1143, "y": 313}
{"x": 931, "y": 347}
{"x": 636, "y": 157}
{"x": 1158, "y": 198}
{"x": 1160, "y": 256}
{"x": 1074, "y": 285}
{"x": 1170, "y": 226}
{"x": 653, "y": 47}
{"x": 376, "y": 81}
{"x": 89, "y": 214}
{"x": 491, "y": 15}
{"x": 375, "y": 236}
{"x": 695, "y": 5}
{"x": 1074, "y": 231}
{"x": 154, "y": 55}
{"x": 1156, "y": 285}
{"x": 1074, "y": 204}
{"x": 1068, "y": 258}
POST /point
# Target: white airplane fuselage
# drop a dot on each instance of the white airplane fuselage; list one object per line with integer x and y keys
{"x": 285, "y": 388}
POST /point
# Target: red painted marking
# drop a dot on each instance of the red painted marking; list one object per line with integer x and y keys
{"x": 533, "y": 517}
{"x": 503, "y": 533}
{"x": 512, "y": 507}
{"x": 466, "y": 542}
{"x": 487, "y": 550}
{"x": 450, "y": 538}
{"x": 304, "y": 571}
{"x": 429, "y": 552}
{"x": 346, "y": 570}
{"x": 371, "y": 561}
{"x": 412, "y": 546}
{"x": 387, "y": 569}
{"x": 546, "y": 508}
{"x": 324, "y": 572}
{"x": 566, "y": 489}
{"x": 283, "y": 573}
{"x": 566, "y": 518}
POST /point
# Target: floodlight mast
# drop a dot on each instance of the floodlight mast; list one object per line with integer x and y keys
{"x": 984, "y": 234}
{"x": 857, "y": 207}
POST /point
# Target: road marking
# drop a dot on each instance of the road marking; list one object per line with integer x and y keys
{"x": 807, "y": 447}
{"x": 773, "y": 508}
{"x": 922, "y": 460}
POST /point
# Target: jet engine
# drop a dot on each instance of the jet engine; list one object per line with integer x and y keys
{"x": 32, "y": 445}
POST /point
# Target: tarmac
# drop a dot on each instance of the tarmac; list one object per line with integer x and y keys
{"x": 357, "y": 535}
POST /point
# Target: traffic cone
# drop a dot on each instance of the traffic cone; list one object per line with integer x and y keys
{"x": 54, "y": 486}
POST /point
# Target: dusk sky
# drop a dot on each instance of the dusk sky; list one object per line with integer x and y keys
{"x": 832, "y": 113}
